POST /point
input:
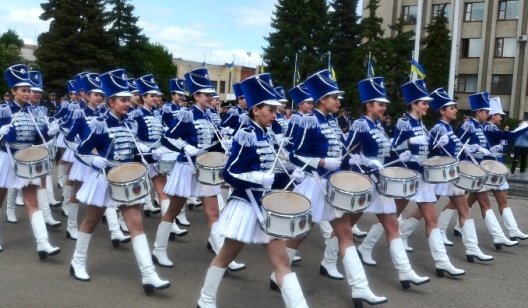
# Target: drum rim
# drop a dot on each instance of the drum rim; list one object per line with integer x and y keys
{"x": 288, "y": 192}
{"x": 440, "y": 166}
{"x": 351, "y": 172}
{"x": 416, "y": 175}
{"x": 424, "y": 163}
{"x": 32, "y": 148}
{"x": 198, "y": 164}
{"x": 123, "y": 166}
{"x": 495, "y": 162}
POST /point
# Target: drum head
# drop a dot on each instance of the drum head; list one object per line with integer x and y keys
{"x": 350, "y": 181}
{"x": 285, "y": 202}
{"x": 471, "y": 169}
{"x": 126, "y": 173}
{"x": 212, "y": 159}
{"x": 494, "y": 166}
{"x": 31, "y": 154}
{"x": 398, "y": 173}
{"x": 439, "y": 161}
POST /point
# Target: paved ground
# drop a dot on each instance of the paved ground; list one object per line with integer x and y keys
{"x": 26, "y": 281}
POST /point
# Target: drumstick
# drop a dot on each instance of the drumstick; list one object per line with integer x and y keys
{"x": 462, "y": 149}
{"x": 135, "y": 143}
{"x": 437, "y": 144}
{"x": 12, "y": 121}
{"x": 276, "y": 155}
{"x": 293, "y": 180}
{"x": 38, "y": 130}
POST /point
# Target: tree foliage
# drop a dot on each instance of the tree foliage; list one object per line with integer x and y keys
{"x": 10, "y": 44}
{"x": 158, "y": 60}
{"x": 436, "y": 52}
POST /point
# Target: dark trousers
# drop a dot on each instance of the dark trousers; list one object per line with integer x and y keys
{"x": 519, "y": 153}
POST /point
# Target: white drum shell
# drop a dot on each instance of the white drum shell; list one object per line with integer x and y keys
{"x": 495, "y": 177}
{"x": 129, "y": 191}
{"x": 397, "y": 187}
{"x": 348, "y": 201}
{"x": 470, "y": 182}
{"x": 209, "y": 175}
{"x": 166, "y": 163}
{"x": 440, "y": 173}
{"x": 286, "y": 225}
{"x": 32, "y": 169}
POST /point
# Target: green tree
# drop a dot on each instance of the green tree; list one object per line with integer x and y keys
{"x": 10, "y": 44}
{"x": 76, "y": 41}
{"x": 158, "y": 61}
{"x": 300, "y": 27}
{"x": 347, "y": 57}
{"x": 10, "y": 37}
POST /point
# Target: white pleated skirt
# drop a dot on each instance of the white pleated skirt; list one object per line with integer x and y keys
{"x": 448, "y": 190}
{"x": 239, "y": 222}
{"x": 321, "y": 210}
{"x": 425, "y": 192}
{"x": 7, "y": 172}
{"x": 182, "y": 183}
{"x": 60, "y": 141}
{"x": 503, "y": 186}
{"x": 94, "y": 191}
{"x": 79, "y": 171}
{"x": 380, "y": 204}
{"x": 68, "y": 156}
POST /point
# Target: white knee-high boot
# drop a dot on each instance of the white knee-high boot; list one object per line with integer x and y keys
{"x": 159, "y": 253}
{"x": 43, "y": 204}
{"x": 357, "y": 232}
{"x": 51, "y": 193}
{"x": 66, "y": 194}
{"x": 443, "y": 221}
{"x": 469, "y": 237}
{"x": 511, "y": 225}
{"x": 357, "y": 280}
{"x": 175, "y": 230}
{"x": 328, "y": 265}
{"x": 19, "y": 198}
{"x": 72, "y": 231}
{"x": 182, "y": 218}
{"x": 438, "y": 252}
{"x": 407, "y": 227}
{"x": 122, "y": 223}
{"x": 273, "y": 279}
{"x": 495, "y": 229}
{"x": 60, "y": 175}
{"x": 44, "y": 249}
{"x": 10, "y": 206}
{"x": 149, "y": 277}
{"x": 292, "y": 293}
{"x": 149, "y": 208}
{"x": 80, "y": 256}
{"x": 116, "y": 236}
{"x": 213, "y": 278}
{"x": 365, "y": 249}
{"x": 402, "y": 264}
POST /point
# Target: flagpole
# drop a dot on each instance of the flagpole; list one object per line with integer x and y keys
{"x": 368, "y": 65}
{"x": 418, "y": 36}
{"x": 329, "y": 59}
{"x": 454, "y": 50}
{"x": 294, "y": 71}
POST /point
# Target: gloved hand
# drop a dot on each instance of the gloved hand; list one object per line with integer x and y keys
{"x": 331, "y": 163}
{"x": 405, "y": 156}
{"x": 355, "y": 159}
{"x": 99, "y": 162}
{"x": 443, "y": 140}
{"x": 53, "y": 128}
{"x": 472, "y": 148}
{"x": 143, "y": 148}
{"x": 191, "y": 150}
{"x": 280, "y": 138}
{"x": 157, "y": 153}
{"x": 225, "y": 131}
{"x": 226, "y": 144}
{"x": 496, "y": 148}
{"x": 4, "y": 130}
{"x": 374, "y": 164}
{"x": 267, "y": 179}
{"x": 419, "y": 140}
{"x": 298, "y": 175}
{"x": 484, "y": 151}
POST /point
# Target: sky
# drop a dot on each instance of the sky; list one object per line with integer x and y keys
{"x": 217, "y": 31}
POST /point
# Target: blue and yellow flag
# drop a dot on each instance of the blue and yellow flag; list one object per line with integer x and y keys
{"x": 417, "y": 68}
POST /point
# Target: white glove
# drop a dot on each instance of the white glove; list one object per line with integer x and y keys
{"x": 267, "y": 179}
{"x": 419, "y": 140}
{"x": 4, "y": 130}
{"x": 374, "y": 164}
{"x": 484, "y": 151}
{"x": 143, "y": 148}
{"x": 298, "y": 175}
{"x": 405, "y": 156}
{"x": 472, "y": 148}
{"x": 225, "y": 131}
{"x": 226, "y": 144}
{"x": 99, "y": 162}
{"x": 443, "y": 140}
{"x": 53, "y": 129}
{"x": 191, "y": 150}
{"x": 496, "y": 148}
{"x": 157, "y": 153}
{"x": 281, "y": 139}
{"x": 355, "y": 159}
{"x": 331, "y": 163}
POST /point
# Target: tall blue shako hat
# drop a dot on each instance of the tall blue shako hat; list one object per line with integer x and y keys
{"x": 415, "y": 90}
{"x": 479, "y": 101}
{"x": 238, "y": 90}
{"x": 198, "y": 80}
{"x": 147, "y": 85}
{"x": 35, "y": 78}
{"x": 258, "y": 91}
{"x": 78, "y": 82}
{"x": 115, "y": 83}
{"x": 177, "y": 86}
{"x": 372, "y": 89}
{"x": 70, "y": 86}
{"x": 299, "y": 94}
{"x": 91, "y": 82}
{"x": 17, "y": 76}
{"x": 440, "y": 99}
{"x": 321, "y": 84}
{"x": 132, "y": 85}
{"x": 281, "y": 94}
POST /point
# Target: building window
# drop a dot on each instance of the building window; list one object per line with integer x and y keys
{"x": 470, "y": 47}
{"x": 505, "y": 47}
{"x": 474, "y": 11}
{"x": 467, "y": 83}
{"x": 508, "y": 10}
{"x": 439, "y": 8}
{"x": 409, "y": 13}
{"x": 222, "y": 86}
{"x": 501, "y": 84}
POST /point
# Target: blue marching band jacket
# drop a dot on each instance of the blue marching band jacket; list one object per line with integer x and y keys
{"x": 453, "y": 147}
{"x": 368, "y": 137}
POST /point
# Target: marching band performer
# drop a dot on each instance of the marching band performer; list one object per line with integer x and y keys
{"x": 318, "y": 148}
{"x": 112, "y": 137}
{"x": 191, "y": 135}
{"x": 250, "y": 167}
{"x": 62, "y": 166}
{"x": 18, "y": 133}
{"x": 368, "y": 133}
{"x": 232, "y": 121}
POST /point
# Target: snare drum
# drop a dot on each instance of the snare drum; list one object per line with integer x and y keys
{"x": 349, "y": 191}
{"x": 440, "y": 169}
{"x": 398, "y": 182}
{"x": 128, "y": 182}
{"x": 209, "y": 168}
{"x": 497, "y": 172}
{"x": 286, "y": 214}
{"x": 166, "y": 163}
{"x": 32, "y": 163}
{"x": 472, "y": 177}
